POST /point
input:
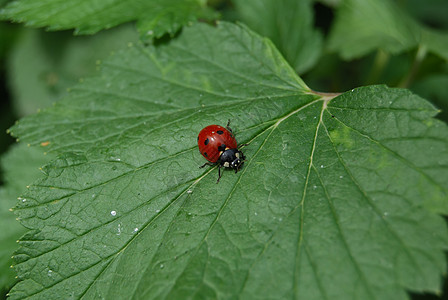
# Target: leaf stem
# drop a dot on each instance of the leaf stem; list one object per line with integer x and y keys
{"x": 325, "y": 96}
{"x": 380, "y": 62}
{"x": 419, "y": 57}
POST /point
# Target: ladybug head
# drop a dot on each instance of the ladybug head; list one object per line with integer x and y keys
{"x": 236, "y": 164}
{"x": 232, "y": 158}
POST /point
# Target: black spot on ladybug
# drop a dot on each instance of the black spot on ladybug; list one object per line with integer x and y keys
{"x": 198, "y": 138}
{"x": 222, "y": 147}
{"x": 206, "y": 141}
{"x": 219, "y": 132}
{"x": 205, "y": 154}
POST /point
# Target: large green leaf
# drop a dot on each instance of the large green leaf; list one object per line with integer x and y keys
{"x": 289, "y": 24}
{"x": 362, "y": 26}
{"x": 154, "y": 17}
{"x": 20, "y": 167}
{"x": 334, "y": 201}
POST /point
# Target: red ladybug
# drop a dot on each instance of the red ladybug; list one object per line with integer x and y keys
{"x": 218, "y": 145}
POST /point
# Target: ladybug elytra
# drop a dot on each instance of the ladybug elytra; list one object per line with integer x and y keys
{"x": 218, "y": 145}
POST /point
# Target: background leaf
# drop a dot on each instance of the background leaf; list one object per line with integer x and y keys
{"x": 20, "y": 167}
{"x": 126, "y": 212}
{"x": 155, "y": 18}
{"x": 434, "y": 88}
{"x": 434, "y": 14}
{"x": 289, "y": 24}
{"x": 43, "y": 65}
{"x": 362, "y": 26}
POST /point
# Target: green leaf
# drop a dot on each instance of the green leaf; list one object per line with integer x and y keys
{"x": 333, "y": 202}
{"x": 154, "y": 17}
{"x": 169, "y": 16}
{"x": 362, "y": 26}
{"x": 43, "y": 65}
{"x": 289, "y": 24}
{"x": 20, "y": 167}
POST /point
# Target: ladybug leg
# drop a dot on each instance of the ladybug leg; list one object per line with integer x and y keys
{"x": 207, "y": 164}
{"x": 219, "y": 174}
{"x": 242, "y": 145}
{"x": 228, "y": 126}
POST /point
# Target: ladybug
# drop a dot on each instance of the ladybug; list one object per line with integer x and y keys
{"x": 218, "y": 145}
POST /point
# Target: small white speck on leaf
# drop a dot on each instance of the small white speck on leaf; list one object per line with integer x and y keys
{"x": 113, "y": 213}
